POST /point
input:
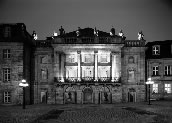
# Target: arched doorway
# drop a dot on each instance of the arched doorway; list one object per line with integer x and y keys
{"x": 132, "y": 95}
{"x": 87, "y": 96}
{"x": 70, "y": 95}
{"x": 106, "y": 96}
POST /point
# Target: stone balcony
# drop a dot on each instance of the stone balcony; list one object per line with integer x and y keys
{"x": 87, "y": 80}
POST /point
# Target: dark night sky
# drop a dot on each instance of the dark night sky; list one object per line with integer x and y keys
{"x": 153, "y": 17}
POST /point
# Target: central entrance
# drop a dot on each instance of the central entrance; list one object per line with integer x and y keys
{"x": 87, "y": 96}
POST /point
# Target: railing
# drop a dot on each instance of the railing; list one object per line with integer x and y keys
{"x": 87, "y": 80}
{"x": 134, "y": 43}
{"x": 43, "y": 43}
{"x": 88, "y": 40}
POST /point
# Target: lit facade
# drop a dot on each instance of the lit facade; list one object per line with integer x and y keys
{"x": 89, "y": 66}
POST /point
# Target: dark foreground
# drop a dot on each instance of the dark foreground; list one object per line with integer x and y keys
{"x": 158, "y": 112}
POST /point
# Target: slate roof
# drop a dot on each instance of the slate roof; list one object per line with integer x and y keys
{"x": 165, "y": 49}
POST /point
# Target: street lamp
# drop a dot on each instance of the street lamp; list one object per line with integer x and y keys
{"x": 23, "y": 84}
{"x": 149, "y": 82}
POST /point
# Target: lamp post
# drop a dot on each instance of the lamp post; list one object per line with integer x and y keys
{"x": 23, "y": 84}
{"x": 149, "y": 82}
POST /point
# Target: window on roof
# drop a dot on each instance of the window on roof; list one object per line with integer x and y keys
{"x": 7, "y": 32}
{"x": 156, "y": 50}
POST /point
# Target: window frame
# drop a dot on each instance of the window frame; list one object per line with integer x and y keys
{"x": 6, "y": 53}
{"x": 167, "y": 88}
{"x": 155, "y": 87}
{"x": 156, "y": 50}
{"x": 168, "y": 70}
{"x": 7, "y": 97}
{"x": 156, "y": 71}
{"x": 42, "y": 74}
{"x": 6, "y": 74}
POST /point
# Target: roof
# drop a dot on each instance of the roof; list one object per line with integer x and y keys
{"x": 165, "y": 49}
{"x": 14, "y": 32}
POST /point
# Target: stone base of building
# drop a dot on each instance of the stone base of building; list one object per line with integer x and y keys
{"x": 95, "y": 94}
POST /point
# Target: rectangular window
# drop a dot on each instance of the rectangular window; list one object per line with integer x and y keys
{"x": 6, "y": 74}
{"x": 168, "y": 70}
{"x": 156, "y": 50}
{"x": 155, "y": 70}
{"x": 72, "y": 58}
{"x": 168, "y": 88}
{"x": 44, "y": 74}
{"x": 103, "y": 58}
{"x": 7, "y": 32}
{"x": 6, "y": 53}
{"x": 7, "y": 97}
{"x": 88, "y": 58}
{"x": 155, "y": 88}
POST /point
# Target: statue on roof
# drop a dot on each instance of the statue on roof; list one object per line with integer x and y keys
{"x": 34, "y": 35}
{"x": 112, "y": 31}
{"x": 140, "y": 36}
{"x": 96, "y": 32}
{"x": 55, "y": 34}
{"x": 78, "y": 32}
{"x": 62, "y": 31}
{"x": 121, "y": 33}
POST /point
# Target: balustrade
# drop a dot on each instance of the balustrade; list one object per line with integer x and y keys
{"x": 87, "y": 80}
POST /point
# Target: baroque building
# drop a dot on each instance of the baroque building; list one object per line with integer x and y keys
{"x": 159, "y": 68}
{"x": 89, "y": 66}
{"x": 15, "y": 63}
{"x": 79, "y": 67}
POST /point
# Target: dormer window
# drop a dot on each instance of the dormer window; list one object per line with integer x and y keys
{"x": 156, "y": 50}
{"x": 7, "y": 32}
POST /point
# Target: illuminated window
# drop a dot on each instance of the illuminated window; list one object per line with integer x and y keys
{"x": 155, "y": 70}
{"x": 155, "y": 88}
{"x": 6, "y": 53}
{"x": 103, "y": 58}
{"x": 156, "y": 50}
{"x": 44, "y": 74}
{"x": 6, "y": 74}
{"x": 7, "y": 97}
{"x": 72, "y": 58}
{"x": 168, "y": 88}
{"x": 168, "y": 70}
{"x": 87, "y": 59}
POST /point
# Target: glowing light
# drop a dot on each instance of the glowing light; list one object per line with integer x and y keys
{"x": 23, "y": 83}
{"x": 35, "y": 37}
{"x": 54, "y": 34}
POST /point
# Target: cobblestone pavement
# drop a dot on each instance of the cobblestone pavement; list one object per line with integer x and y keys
{"x": 113, "y": 114}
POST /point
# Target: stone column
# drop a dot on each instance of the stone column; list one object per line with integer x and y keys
{"x": 113, "y": 67}
{"x": 79, "y": 64}
{"x": 62, "y": 67}
{"x": 96, "y": 65}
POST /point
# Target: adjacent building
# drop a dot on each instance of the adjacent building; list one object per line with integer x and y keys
{"x": 15, "y": 63}
{"x": 159, "y": 68}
